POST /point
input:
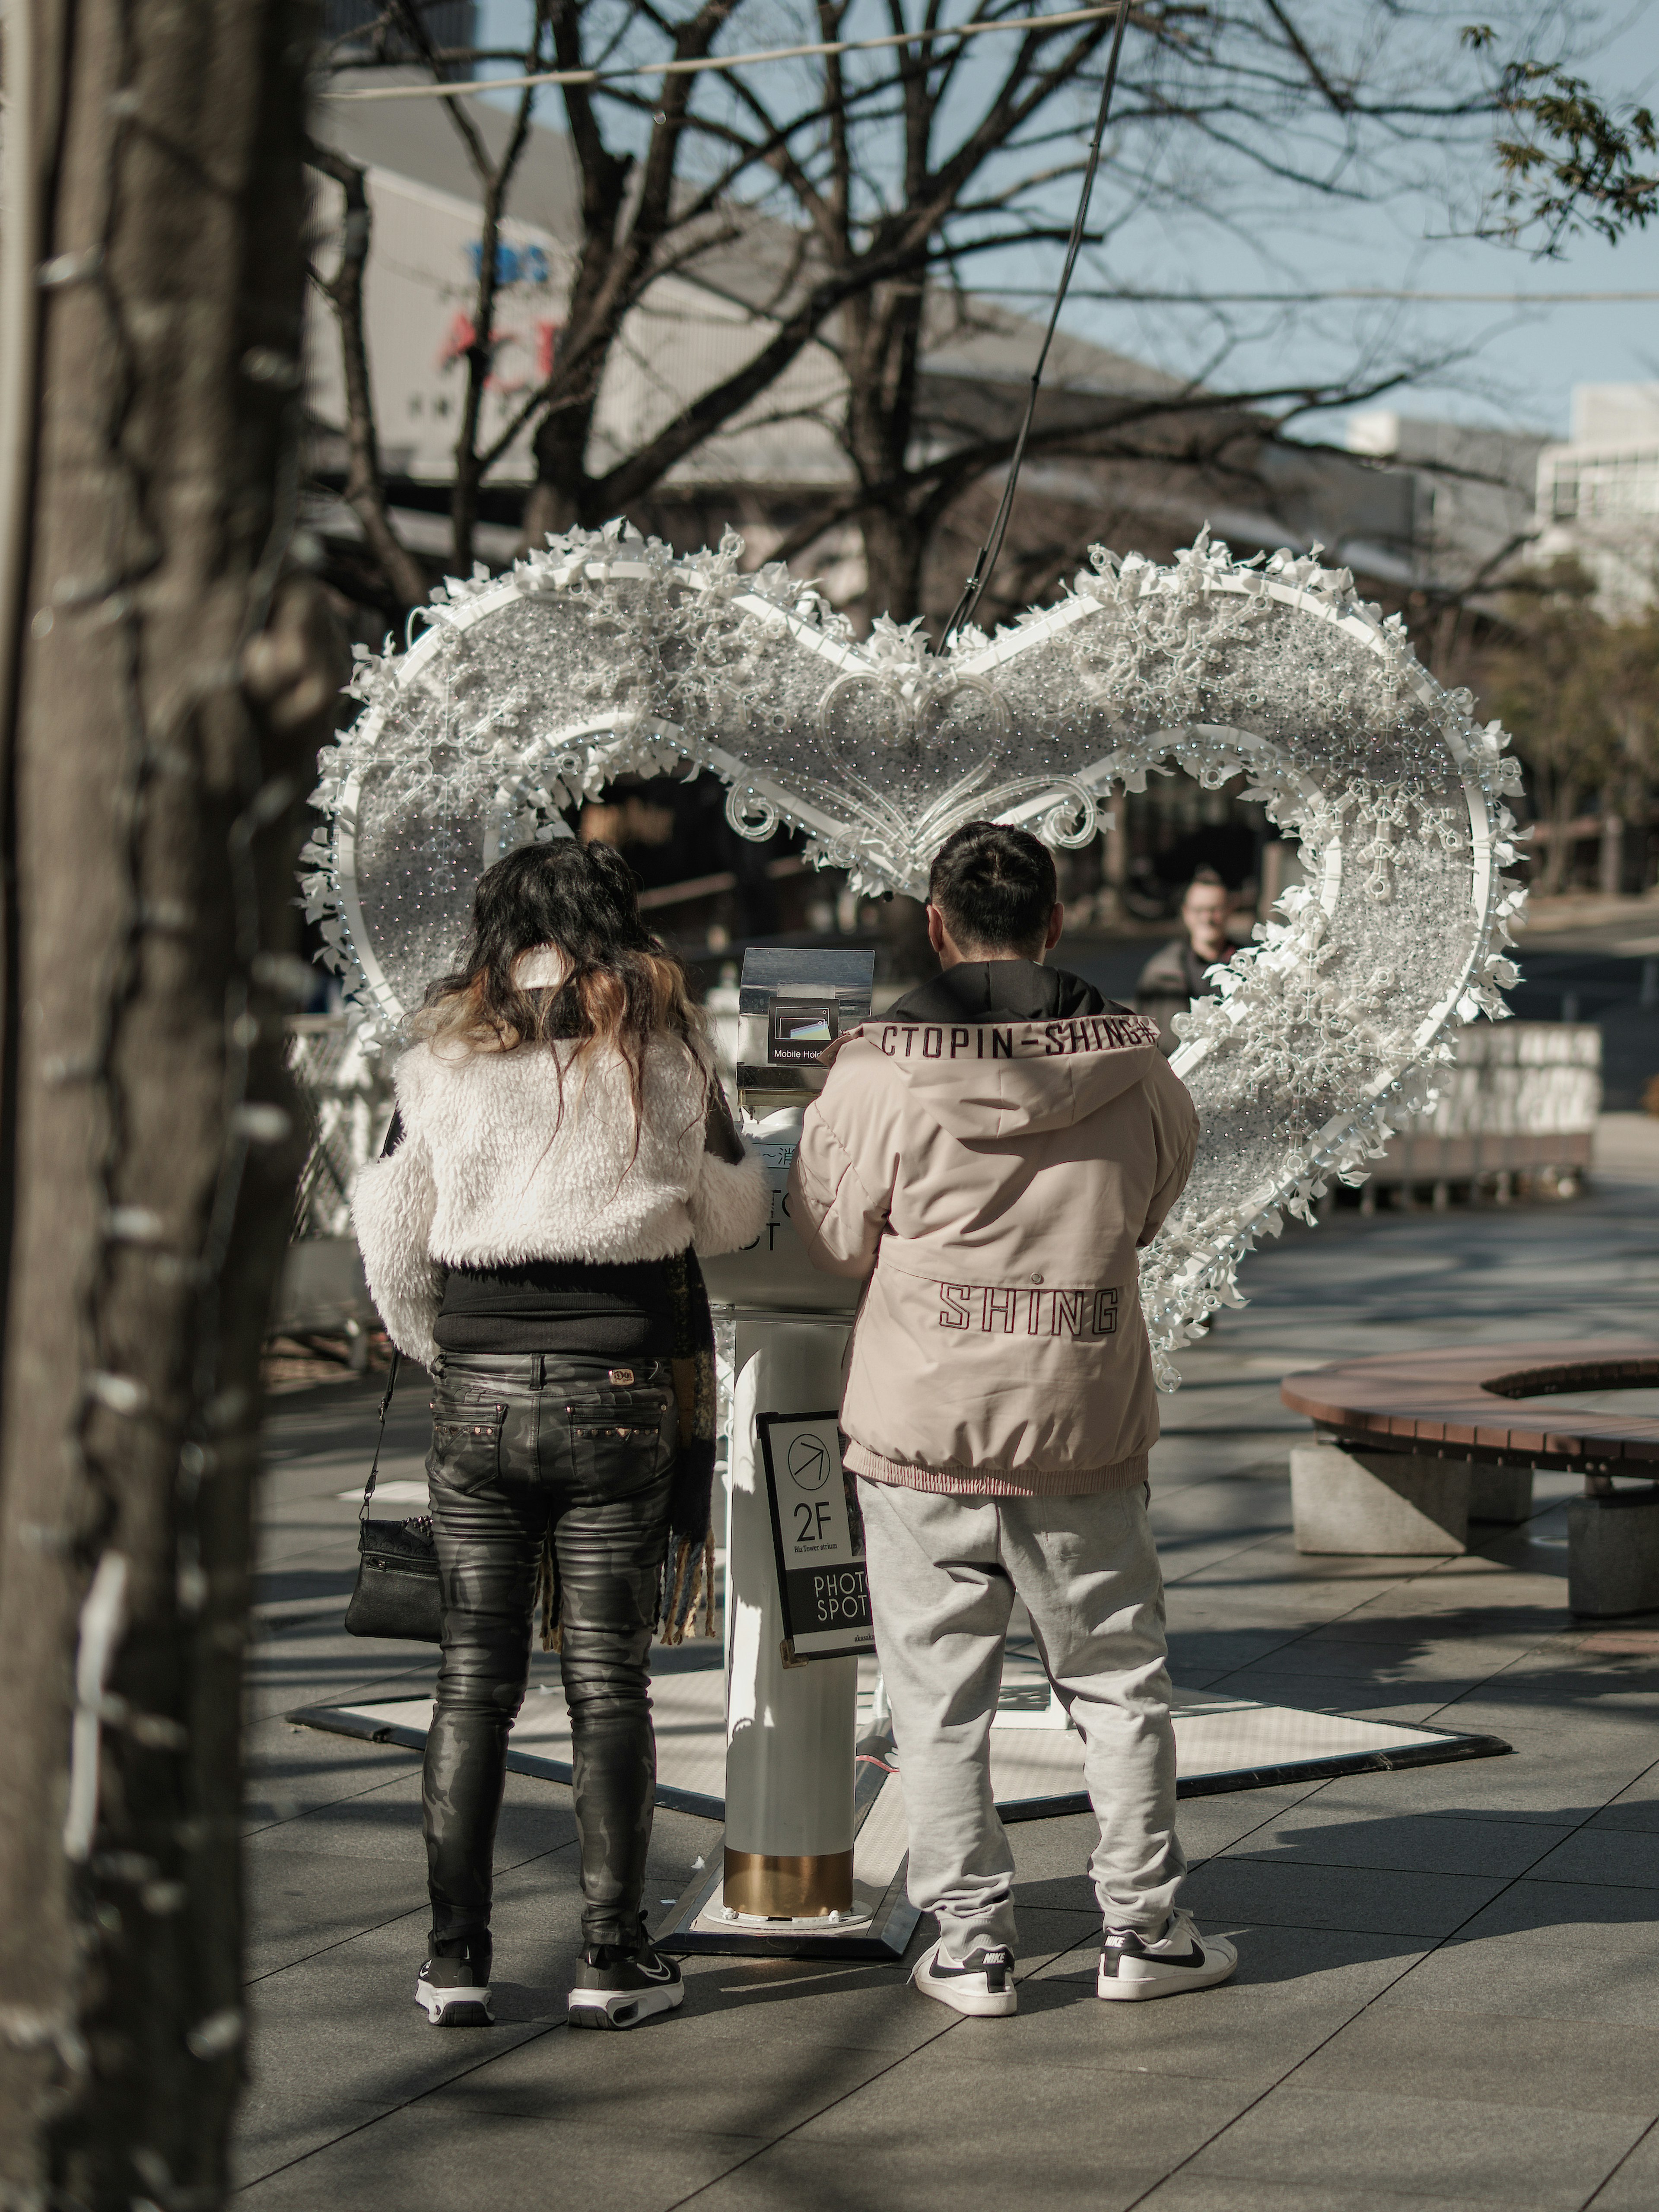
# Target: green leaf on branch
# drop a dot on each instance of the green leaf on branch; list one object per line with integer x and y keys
{"x": 1570, "y": 163}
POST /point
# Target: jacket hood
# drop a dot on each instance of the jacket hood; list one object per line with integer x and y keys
{"x": 985, "y": 990}
{"x": 1001, "y": 1048}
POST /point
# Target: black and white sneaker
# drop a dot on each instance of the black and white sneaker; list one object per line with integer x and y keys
{"x": 455, "y": 1992}
{"x": 983, "y": 1986}
{"x": 619, "y": 1989}
{"x": 1133, "y": 1967}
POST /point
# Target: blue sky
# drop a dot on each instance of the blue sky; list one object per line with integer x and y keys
{"x": 1518, "y": 364}
{"x": 1521, "y": 362}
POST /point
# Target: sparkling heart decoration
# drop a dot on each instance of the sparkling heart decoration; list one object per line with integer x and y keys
{"x": 606, "y": 653}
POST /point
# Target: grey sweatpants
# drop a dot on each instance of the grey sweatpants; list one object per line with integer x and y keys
{"x": 943, "y": 1574}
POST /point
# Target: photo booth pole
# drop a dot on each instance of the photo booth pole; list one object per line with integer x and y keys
{"x": 789, "y": 1728}
{"x": 792, "y": 1876}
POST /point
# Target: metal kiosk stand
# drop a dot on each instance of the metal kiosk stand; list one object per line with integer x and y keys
{"x": 813, "y": 1857}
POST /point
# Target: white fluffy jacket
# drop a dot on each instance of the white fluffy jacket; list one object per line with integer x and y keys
{"x": 489, "y": 1171}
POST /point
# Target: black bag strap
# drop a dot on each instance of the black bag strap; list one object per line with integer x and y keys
{"x": 385, "y": 1407}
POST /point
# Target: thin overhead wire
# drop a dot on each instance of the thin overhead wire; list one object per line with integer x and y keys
{"x": 985, "y": 561}
{"x": 1132, "y": 298}
{"x": 474, "y": 87}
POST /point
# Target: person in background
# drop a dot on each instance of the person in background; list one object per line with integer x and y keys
{"x": 1174, "y": 976}
{"x": 993, "y": 1154}
{"x": 564, "y": 1141}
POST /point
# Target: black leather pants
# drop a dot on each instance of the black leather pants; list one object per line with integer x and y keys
{"x": 521, "y": 1442}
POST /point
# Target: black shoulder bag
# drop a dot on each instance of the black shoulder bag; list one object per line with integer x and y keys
{"x": 398, "y": 1592}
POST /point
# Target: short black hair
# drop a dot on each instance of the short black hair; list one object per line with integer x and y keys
{"x": 995, "y": 886}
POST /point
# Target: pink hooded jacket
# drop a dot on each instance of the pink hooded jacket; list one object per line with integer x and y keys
{"x": 994, "y": 1177}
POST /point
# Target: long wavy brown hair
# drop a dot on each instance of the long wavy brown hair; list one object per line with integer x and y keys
{"x": 622, "y": 989}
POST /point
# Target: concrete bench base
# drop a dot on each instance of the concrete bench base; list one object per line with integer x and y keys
{"x": 1612, "y": 1554}
{"x": 1387, "y": 1503}
{"x": 1500, "y": 1493}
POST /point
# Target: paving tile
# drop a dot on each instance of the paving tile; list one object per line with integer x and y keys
{"x": 1047, "y": 1931}
{"x": 1381, "y": 1902}
{"x": 961, "y": 2089}
{"x": 1192, "y": 2191}
{"x": 1404, "y": 1671}
{"x": 1210, "y": 1504}
{"x": 1185, "y": 1559}
{"x": 1199, "y": 1655}
{"x": 1636, "y": 1808}
{"x": 1209, "y": 1825}
{"x": 968, "y": 2104}
{"x": 1051, "y": 1857}
{"x": 1323, "y": 1833}
{"x": 1528, "y": 1785}
{"x": 1358, "y": 1695}
{"x": 340, "y": 2028}
{"x": 342, "y": 2049}
{"x": 740, "y": 2012}
{"x": 290, "y": 1771}
{"x": 1610, "y": 1720}
{"x": 1554, "y": 1950}
{"x": 1633, "y": 2186}
{"x": 1433, "y": 1713}
{"x": 802, "y": 2175}
{"x": 569, "y": 2078}
{"x": 1294, "y": 1987}
{"x": 1405, "y": 1623}
{"x": 270, "y": 2137}
{"x": 1606, "y": 1713}
{"x": 310, "y": 1665}
{"x": 1395, "y": 2048}
{"x": 418, "y": 2156}
{"x": 1545, "y": 2155}
{"x": 1627, "y": 1858}
{"x": 296, "y": 1909}
{"x": 384, "y": 1822}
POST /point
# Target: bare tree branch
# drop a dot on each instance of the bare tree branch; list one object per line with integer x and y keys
{"x": 892, "y": 173}
{"x": 365, "y": 484}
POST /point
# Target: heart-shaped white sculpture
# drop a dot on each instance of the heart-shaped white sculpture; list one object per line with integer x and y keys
{"x": 606, "y": 654}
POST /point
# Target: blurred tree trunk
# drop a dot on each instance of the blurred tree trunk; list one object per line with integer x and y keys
{"x": 1558, "y": 860}
{"x": 166, "y": 686}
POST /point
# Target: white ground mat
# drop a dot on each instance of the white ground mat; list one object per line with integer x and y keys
{"x": 1221, "y": 1744}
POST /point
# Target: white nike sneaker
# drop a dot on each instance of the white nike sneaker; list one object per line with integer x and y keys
{"x": 1133, "y": 1967}
{"x": 983, "y": 1986}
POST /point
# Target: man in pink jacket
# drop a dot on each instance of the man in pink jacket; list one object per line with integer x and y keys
{"x": 991, "y": 1155}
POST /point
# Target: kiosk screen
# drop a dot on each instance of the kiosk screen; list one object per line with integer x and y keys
{"x": 800, "y": 1028}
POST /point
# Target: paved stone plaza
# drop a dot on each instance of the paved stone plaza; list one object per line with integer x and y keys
{"x": 1448, "y": 1988}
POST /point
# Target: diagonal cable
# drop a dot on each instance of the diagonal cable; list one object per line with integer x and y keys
{"x": 985, "y": 561}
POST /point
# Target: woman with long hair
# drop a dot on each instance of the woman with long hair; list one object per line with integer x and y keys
{"x": 561, "y": 1145}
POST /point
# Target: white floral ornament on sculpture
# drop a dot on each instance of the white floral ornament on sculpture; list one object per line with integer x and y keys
{"x": 607, "y": 654}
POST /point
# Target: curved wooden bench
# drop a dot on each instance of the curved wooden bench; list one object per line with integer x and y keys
{"x": 1451, "y": 1405}
{"x": 1404, "y": 1434}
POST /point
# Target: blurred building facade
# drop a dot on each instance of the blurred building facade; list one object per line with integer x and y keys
{"x": 1465, "y": 498}
{"x": 1598, "y": 493}
{"x": 1413, "y": 505}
